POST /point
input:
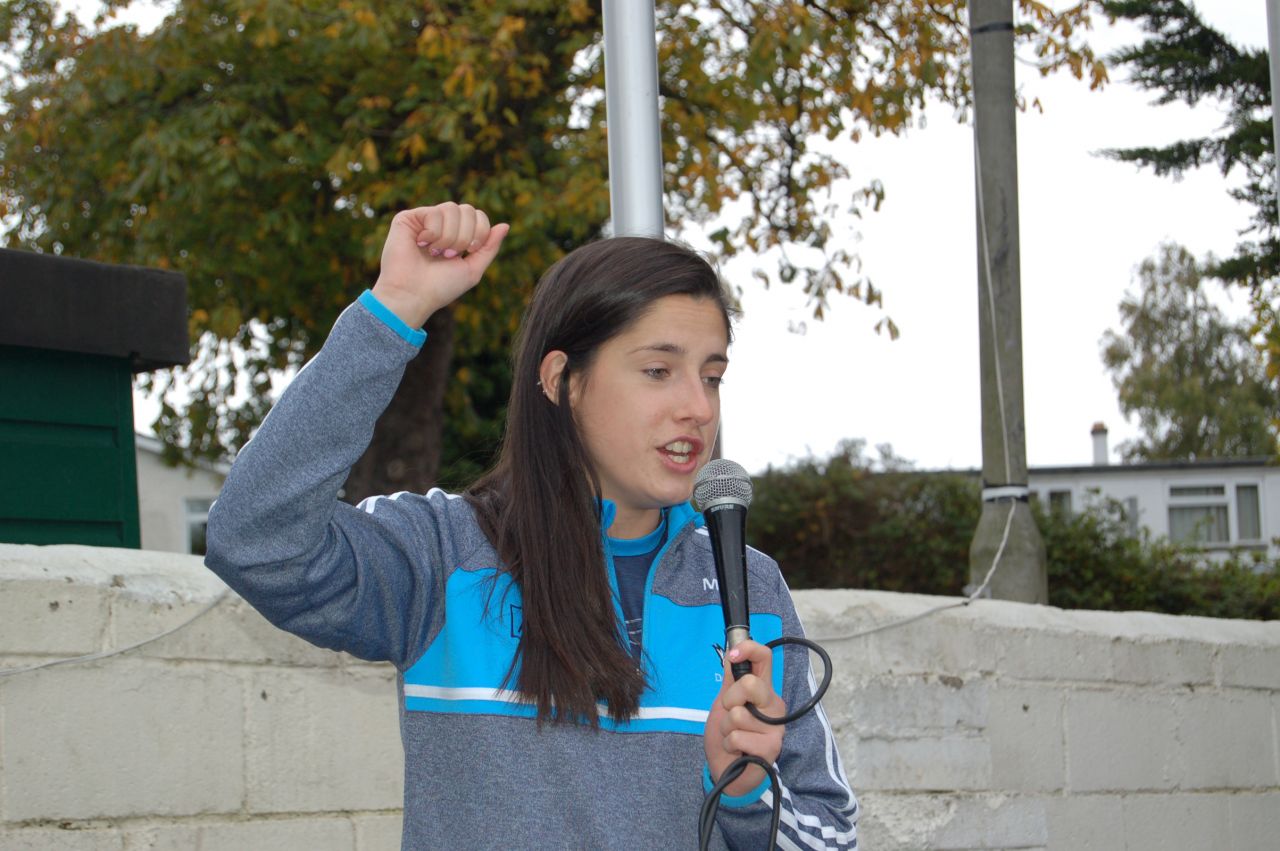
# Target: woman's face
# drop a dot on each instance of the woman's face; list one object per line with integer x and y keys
{"x": 649, "y": 406}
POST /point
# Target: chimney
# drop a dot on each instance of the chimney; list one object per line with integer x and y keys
{"x": 1100, "y": 454}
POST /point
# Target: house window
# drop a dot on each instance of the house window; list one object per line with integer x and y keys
{"x": 1131, "y": 515}
{"x": 1198, "y": 515}
{"x": 197, "y": 524}
{"x": 1248, "y": 515}
{"x": 1060, "y": 503}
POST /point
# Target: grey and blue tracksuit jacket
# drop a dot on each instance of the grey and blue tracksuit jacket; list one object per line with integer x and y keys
{"x": 412, "y": 580}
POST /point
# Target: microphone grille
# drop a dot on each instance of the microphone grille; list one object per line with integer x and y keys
{"x": 722, "y": 480}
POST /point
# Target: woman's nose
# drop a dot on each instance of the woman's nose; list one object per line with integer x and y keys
{"x": 696, "y": 402}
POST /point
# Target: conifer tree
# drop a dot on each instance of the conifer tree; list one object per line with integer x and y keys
{"x": 1185, "y": 59}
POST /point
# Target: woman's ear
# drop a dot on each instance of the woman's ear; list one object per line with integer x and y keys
{"x": 550, "y": 372}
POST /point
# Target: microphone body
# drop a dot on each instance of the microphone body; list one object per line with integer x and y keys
{"x": 723, "y": 492}
{"x": 727, "y": 525}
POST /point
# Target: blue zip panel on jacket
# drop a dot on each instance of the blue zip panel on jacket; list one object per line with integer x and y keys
{"x": 464, "y": 671}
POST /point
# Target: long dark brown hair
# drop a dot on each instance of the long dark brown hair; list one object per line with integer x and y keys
{"x": 540, "y": 504}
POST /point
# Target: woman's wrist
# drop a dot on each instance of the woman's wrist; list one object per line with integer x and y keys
{"x": 412, "y": 309}
{"x": 410, "y": 334}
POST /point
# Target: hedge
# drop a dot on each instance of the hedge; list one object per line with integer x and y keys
{"x": 846, "y": 522}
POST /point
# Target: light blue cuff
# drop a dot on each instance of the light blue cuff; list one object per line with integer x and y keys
{"x": 729, "y": 800}
{"x": 413, "y": 336}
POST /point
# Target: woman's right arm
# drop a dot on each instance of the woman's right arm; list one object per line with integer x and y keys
{"x": 360, "y": 579}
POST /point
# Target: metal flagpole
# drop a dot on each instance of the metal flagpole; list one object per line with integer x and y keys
{"x": 631, "y": 109}
{"x": 1273, "y": 46}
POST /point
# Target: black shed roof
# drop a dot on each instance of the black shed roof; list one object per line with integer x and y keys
{"x": 134, "y": 312}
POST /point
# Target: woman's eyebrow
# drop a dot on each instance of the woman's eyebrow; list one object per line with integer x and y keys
{"x": 676, "y": 349}
{"x": 668, "y": 348}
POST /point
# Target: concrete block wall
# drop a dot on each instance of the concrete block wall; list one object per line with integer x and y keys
{"x": 1001, "y": 725}
{"x": 228, "y": 734}
{"x": 996, "y": 725}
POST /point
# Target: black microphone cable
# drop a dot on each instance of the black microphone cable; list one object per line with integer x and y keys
{"x": 707, "y": 816}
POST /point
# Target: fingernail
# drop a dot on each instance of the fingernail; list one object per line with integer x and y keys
{"x": 475, "y": 243}
{"x": 449, "y": 253}
{"x": 423, "y": 244}
{"x": 734, "y": 654}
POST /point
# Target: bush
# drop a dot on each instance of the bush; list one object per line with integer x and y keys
{"x": 846, "y": 522}
{"x": 841, "y": 523}
{"x": 1095, "y": 564}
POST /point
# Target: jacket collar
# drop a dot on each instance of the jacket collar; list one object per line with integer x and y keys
{"x": 676, "y": 517}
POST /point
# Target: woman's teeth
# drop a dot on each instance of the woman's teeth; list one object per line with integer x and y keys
{"x": 679, "y": 451}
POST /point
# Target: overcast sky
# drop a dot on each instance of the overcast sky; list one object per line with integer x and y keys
{"x": 1086, "y": 223}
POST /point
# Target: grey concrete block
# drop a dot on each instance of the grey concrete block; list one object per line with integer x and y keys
{"x": 232, "y": 631}
{"x": 1170, "y": 662}
{"x": 1085, "y": 823}
{"x": 378, "y": 832}
{"x": 1250, "y": 666}
{"x": 1275, "y": 728}
{"x": 993, "y": 821}
{"x": 1255, "y": 821}
{"x": 52, "y": 617}
{"x": 902, "y": 822}
{"x": 952, "y": 645}
{"x": 280, "y": 834}
{"x": 45, "y": 839}
{"x": 119, "y": 739}
{"x": 1039, "y": 655}
{"x": 1227, "y": 741}
{"x": 1118, "y": 740}
{"x": 323, "y": 740}
{"x": 1161, "y": 822}
{"x": 905, "y": 706}
{"x": 161, "y": 836}
{"x": 1025, "y": 728}
{"x": 942, "y": 764}
{"x": 325, "y": 834}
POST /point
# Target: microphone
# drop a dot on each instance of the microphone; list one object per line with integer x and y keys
{"x": 723, "y": 493}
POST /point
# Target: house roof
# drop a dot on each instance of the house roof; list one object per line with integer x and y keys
{"x": 1159, "y": 466}
{"x": 155, "y": 446}
{"x": 1252, "y": 462}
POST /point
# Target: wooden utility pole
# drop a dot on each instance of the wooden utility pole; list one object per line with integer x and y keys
{"x": 1006, "y": 530}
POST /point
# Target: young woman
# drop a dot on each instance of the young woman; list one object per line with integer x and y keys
{"x": 556, "y": 627}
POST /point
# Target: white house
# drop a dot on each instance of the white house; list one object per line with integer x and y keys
{"x": 173, "y": 502}
{"x": 1221, "y": 504}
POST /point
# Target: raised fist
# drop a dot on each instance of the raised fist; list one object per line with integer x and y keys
{"x": 433, "y": 255}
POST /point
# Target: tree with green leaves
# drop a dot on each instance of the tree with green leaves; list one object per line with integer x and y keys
{"x": 1190, "y": 375}
{"x": 1184, "y": 59}
{"x": 261, "y": 146}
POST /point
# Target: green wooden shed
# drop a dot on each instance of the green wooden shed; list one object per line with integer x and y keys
{"x": 72, "y": 335}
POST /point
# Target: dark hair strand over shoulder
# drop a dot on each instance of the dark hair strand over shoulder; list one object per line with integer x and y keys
{"x": 540, "y": 504}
